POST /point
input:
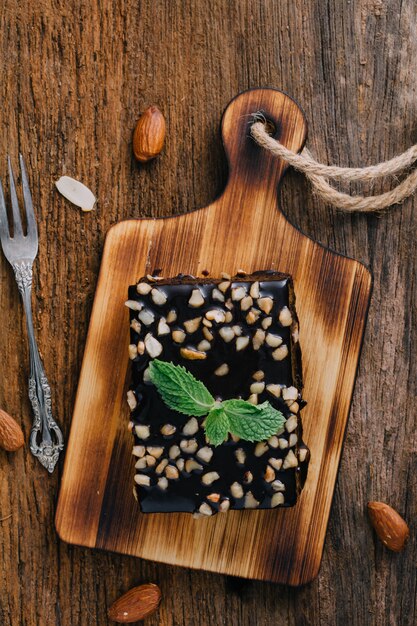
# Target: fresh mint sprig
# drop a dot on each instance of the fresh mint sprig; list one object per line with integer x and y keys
{"x": 182, "y": 392}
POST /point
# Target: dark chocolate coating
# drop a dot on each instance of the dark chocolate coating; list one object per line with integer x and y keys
{"x": 187, "y": 492}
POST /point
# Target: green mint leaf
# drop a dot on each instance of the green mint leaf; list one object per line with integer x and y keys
{"x": 252, "y": 422}
{"x": 217, "y": 426}
{"x": 179, "y": 389}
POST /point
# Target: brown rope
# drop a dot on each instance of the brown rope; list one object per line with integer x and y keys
{"x": 320, "y": 174}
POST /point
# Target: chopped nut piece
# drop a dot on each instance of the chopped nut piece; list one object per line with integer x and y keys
{"x": 290, "y": 460}
{"x": 174, "y": 452}
{"x": 251, "y": 317}
{"x": 246, "y": 303}
{"x": 240, "y": 455}
{"x": 146, "y": 317}
{"x": 131, "y": 400}
{"x": 141, "y": 463}
{"x": 269, "y": 474}
{"x": 192, "y": 325}
{"x": 275, "y": 390}
{"x": 141, "y": 347}
{"x": 213, "y": 497}
{"x": 275, "y": 463}
{"x": 196, "y": 300}
{"x": 207, "y": 323}
{"x": 290, "y": 393}
{"x": 205, "y": 454}
{"x": 142, "y": 431}
{"x": 178, "y": 336}
{"x": 216, "y": 315}
{"x": 260, "y": 448}
{"x": 257, "y": 387}
{"x": 273, "y": 441}
{"x": 133, "y": 305}
{"x": 250, "y": 501}
{"x": 258, "y": 339}
{"x": 162, "y": 483}
{"x": 155, "y": 451}
{"x": 204, "y": 345}
{"x": 171, "y": 472}
{"x": 224, "y": 286}
{"x": 226, "y": 333}
{"x": 266, "y": 323}
{"x": 273, "y": 340}
{"x": 133, "y": 351}
{"x": 209, "y": 478}
{"x": 253, "y": 398}
{"x": 143, "y": 288}
{"x": 237, "y": 330}
{"x": 259, "y": 375}
{"x": 161, "y": 466}
{"x": 224, "y": 506}
{"x": 168, "y": 429}
{"x": 172, "y": 316}
{"x": 153, "y": 346}
{"x": 242, "y": 343}
{"x": 191, "y": 427}
{"x": 254, "y": 290}
{"x": 216, "y": 294}
{"x": 158, "y": 297}
{"x": 142, "y": 479}
{"x": 136, "y": 326}
{"x": 180, "y": 464}
{"x": 189, "y": 446}
{"x": 277, "y": 485}
{"x": 285, "y": 317}
{"x": 163, "y": 328}
{"x": 236, "y": 490}
{"x": 291, "y": 424}
{"x": 207, "y": 334}
{"x": 247, "y": 477}
{"x": 223, "y": 370}
{"x": 280, "y": 353}
{"x": 238, "y": 293}
{"x": 138, "y": 451}
{"x": 295, "y": 334}
{"x": 228, "y": 317}
{"x": 302, "y": 454}
{"x": 192, "y": 355}
{"x": 150, "y": 460}
{"x": 146, "y": 375}
{"x": 283, "y": 443}
{"x": 205, "y": 509}
{"x": 191, "y": 465}
{"x": 294, "y": 407}
{"x": 277, "y": 499}
{"x": 226, "y": 276}
{"x": 293, "y": 440}
{"x": 234, "y": 438}
{"x": 265, "y": 304}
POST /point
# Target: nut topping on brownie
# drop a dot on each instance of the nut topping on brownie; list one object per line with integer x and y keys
{"x": 216, "y": 393}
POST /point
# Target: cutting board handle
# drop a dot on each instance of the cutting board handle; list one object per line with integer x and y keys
{"x": 253, "y": 170}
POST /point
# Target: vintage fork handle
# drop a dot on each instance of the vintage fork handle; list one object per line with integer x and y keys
{"x": 46, "y": 439}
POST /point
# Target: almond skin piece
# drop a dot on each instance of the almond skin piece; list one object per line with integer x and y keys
{"x": 149, "y": 135}
{"x": 389, "y": 525}
{"x": 11, "y": 435}
{"x": 135, "y": 604}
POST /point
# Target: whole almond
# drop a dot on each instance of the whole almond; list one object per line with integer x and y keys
{"x": 11, "y": 435}
{"x": 136, "y": 604}
{"x": 149, "y": 135}
{"x": 389, "y": 525}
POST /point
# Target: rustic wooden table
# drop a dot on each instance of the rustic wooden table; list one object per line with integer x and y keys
{"x": 74, "y": 77}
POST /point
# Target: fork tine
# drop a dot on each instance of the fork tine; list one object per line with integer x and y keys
{"x": 17, "y": 221}
{"x": 32, "y": 229}
{"x": 4, "y": 223}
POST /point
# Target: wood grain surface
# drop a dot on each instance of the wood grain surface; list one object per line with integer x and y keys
{"x": 244, "y": 228}
{"x": 75, "y": 76}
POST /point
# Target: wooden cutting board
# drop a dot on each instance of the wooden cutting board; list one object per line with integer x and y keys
{"x": 243, "y": 229}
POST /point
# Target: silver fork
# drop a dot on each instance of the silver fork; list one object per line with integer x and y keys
{"x": 46, "y": 440}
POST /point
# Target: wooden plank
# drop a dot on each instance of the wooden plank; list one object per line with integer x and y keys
{"x": 242, "y": 229}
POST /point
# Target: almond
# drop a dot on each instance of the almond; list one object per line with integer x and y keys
{"x": 389, "y": 525}
{"x": 11, "y": 435}
{"x": 149, "y": 135}
{"x": 136, "y": 604}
